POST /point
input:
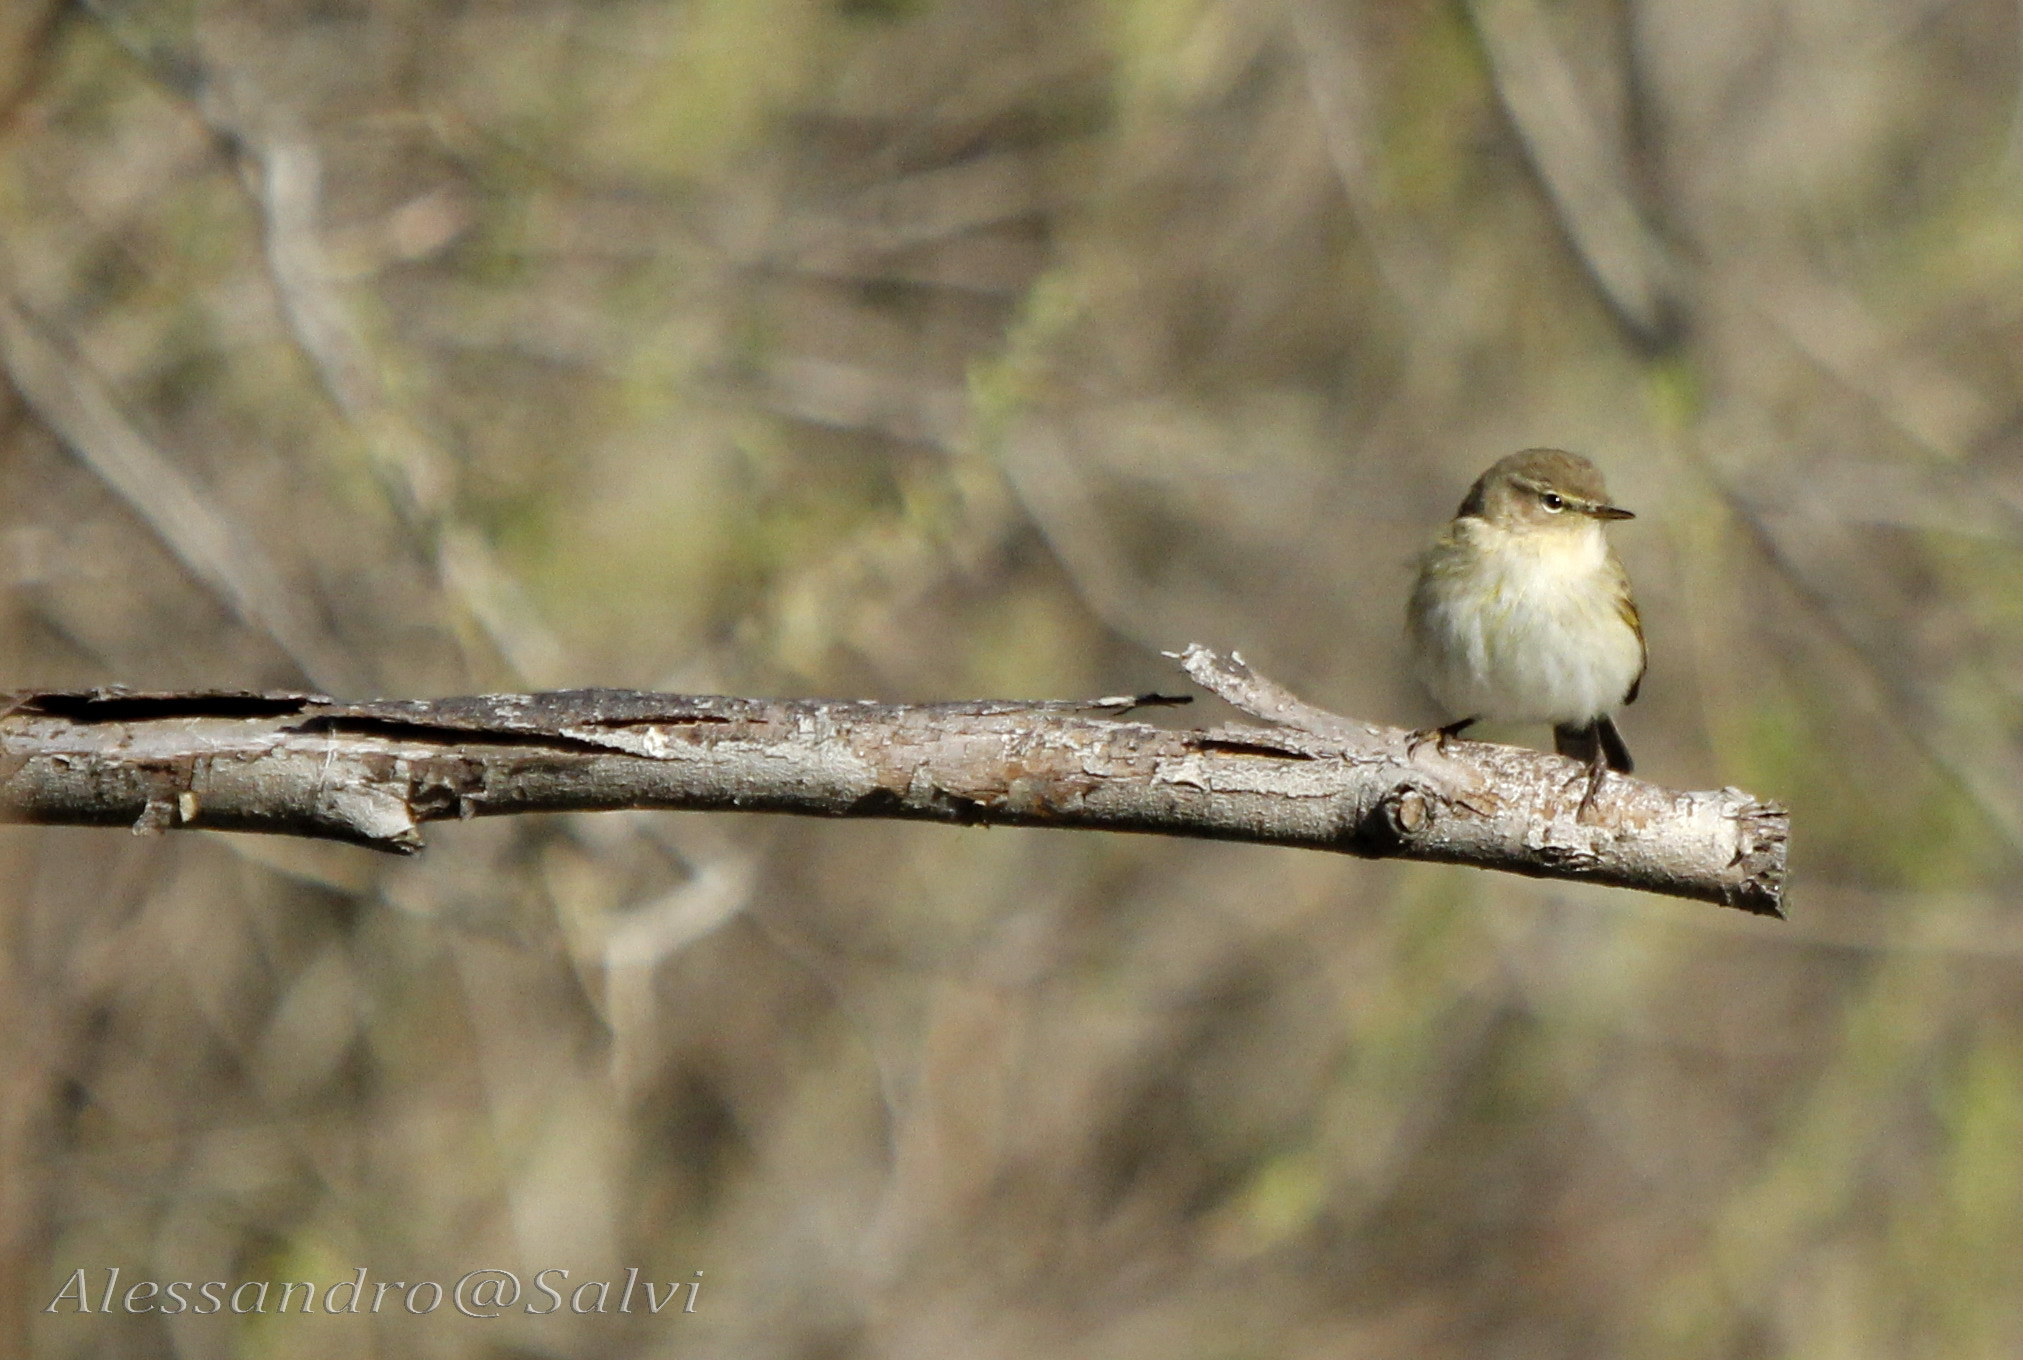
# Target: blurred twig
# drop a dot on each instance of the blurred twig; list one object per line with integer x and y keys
{"x": 1338, "y": 82}
{"x": 1583, "y": 167}
{"x": 27, "y": 28}
{"x": 1989, "y": 772}
{"x": 372, "y": 773}
{"x": 281, "y": 171}
{"x": 67, "y": 397}
{"x": 1944, "y": 416}
{"x": 417, "y": 473}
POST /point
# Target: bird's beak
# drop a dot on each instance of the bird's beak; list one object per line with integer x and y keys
{"x": 1609, "y": 512}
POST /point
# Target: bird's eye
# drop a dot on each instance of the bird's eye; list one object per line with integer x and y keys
{"x": 1553, "y": 501}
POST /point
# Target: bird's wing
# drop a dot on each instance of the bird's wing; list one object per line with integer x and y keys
{"x": 1626, "y": 605}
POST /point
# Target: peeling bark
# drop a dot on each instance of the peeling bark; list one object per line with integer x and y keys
{"x": 374, "y": 773}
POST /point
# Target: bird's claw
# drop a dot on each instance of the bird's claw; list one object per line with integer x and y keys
{"x": 1592, "y": 776}
{"x": 1439, "y": 736}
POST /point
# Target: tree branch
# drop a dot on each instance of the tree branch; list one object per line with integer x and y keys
{"x": 373, "y": 773}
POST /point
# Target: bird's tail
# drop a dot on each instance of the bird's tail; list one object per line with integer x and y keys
{"x": 1584, "y": 741}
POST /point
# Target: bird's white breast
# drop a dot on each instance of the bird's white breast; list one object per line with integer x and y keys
{"x": 1525, "y": 627}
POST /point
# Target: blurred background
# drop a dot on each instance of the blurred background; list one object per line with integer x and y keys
{"x": 921, "y": 349}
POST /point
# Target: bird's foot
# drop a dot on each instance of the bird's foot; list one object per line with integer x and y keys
{"x": 1439, "y": 736}
{"x": 1592, "y": 776}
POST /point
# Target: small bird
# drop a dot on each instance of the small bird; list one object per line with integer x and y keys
{"x": 1522, "y": 613}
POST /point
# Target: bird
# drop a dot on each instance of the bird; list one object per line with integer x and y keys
{"x": 1521, "y": 612}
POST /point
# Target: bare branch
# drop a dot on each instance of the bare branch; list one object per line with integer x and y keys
{"x": 372, "y": 773}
